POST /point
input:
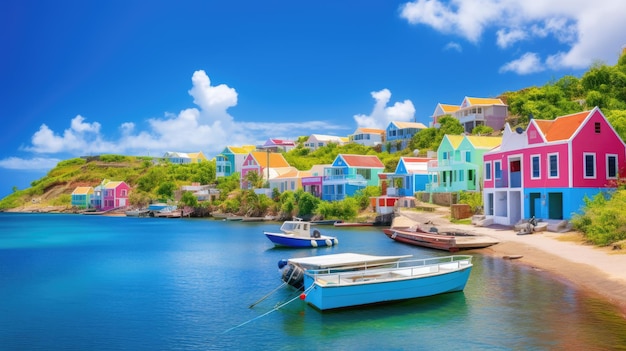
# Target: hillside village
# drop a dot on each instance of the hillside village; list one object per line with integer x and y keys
{"x": 515, "y": 165}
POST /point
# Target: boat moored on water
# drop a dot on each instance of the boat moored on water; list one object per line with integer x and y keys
{"x": 300, "y": 233}
{"x": 347, "y": 280}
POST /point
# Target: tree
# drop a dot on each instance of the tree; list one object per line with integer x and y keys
{"x": 482, "y": 130}
{"x": 253, "y": 180}
{"x": 166, "y": 190}
{"x": 307, "y": 203}
{"x": 188, "y": 199}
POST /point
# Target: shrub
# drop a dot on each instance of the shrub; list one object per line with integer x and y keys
{"x": 603, "y": 220}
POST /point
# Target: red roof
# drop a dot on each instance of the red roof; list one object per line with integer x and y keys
{"x": 365, "y": 161}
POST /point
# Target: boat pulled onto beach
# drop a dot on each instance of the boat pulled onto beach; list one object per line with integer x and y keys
{"x": 348, "y": 280}
{"x": 434, "y": 238}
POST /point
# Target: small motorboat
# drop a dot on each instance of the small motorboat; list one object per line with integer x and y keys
{"x": 298, "y": 233}
{"x": 347, "y": 280}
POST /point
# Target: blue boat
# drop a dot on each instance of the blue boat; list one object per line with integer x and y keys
{"x": 341, "y": 286}
{"x": 300, "y": 233}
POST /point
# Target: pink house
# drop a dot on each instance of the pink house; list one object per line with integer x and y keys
{"x": 114, "y": 195}
{"x": 267, "y": 164}
{"x": 547, "y": 170}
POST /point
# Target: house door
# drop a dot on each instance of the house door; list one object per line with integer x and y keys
{"x": 471, "y": 180}
{"x": 535, "y": 203}
{"x": 555, "y": 205}
{"x": 489, "y": 209}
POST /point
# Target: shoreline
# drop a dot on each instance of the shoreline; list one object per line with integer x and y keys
{"x": 596, "y": 271}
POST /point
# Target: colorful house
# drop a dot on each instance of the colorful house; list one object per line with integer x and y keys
{"x": 349, "y": 173}
{"x": 473, "y": 112}
{"x": 110, "y": 195}
{"x": 231, "y": 160}
{"x": 459, "y": 163}
{"x": 315, "y": 141}
{"x": 184, "y": 157}
{"x": 312, "y": 180}
{"x": 114, "y": 195}
{"x": 410, "y": 176}
{"x": 81, "y": 196}
{"x": 548, "y": 169}
{"x": 367, "y": 136}
{"x": 267, "y": 164}
{"x": 399, "y": 134}
{"x": 288, "y": 179}
{"x": 442, "y": 110}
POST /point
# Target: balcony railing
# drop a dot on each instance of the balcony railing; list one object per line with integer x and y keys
{"x": 344, "y": 177}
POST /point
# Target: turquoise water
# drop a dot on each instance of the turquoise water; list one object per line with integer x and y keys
{"x": 73, "y": 282}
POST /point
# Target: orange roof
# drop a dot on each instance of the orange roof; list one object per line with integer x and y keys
{"x": 83, "y": 190}
{"x": 483, "y": 101}
{"x": 370, "y": 130}
{"x": 276, "y": 159}
{"x": 449, "y": 108}
{"x": 561, "y": 128}
{"x": 368, "y": 161}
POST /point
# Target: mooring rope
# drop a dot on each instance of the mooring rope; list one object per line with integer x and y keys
{"x": 266, "y": 296}
{"x": 270, "y": 311}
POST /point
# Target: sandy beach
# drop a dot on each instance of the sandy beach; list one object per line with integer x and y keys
{"x": 599, "y": 271}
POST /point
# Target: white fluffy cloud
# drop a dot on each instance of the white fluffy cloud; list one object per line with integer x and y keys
{"x": 382, "y": 114}
{"x": 208, "y": 128}
{"x": 592, "y": 31}
{"x": 528, "y": 63}
{"x": 37, "y": 163}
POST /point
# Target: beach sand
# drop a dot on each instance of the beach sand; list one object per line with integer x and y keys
{"x": 597, "y": 271}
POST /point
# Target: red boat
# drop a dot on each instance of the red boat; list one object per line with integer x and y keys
{"x": 452, "y": 241}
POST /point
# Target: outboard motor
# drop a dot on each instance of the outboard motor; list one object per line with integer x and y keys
{"x": 293, "y": 275}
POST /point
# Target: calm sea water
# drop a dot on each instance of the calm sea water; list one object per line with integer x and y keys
{"x": 73, "y": 282}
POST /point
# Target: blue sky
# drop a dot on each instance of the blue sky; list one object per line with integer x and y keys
{"x": 142, "y": 78}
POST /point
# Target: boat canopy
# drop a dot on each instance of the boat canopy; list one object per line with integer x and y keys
{"x": 342, "y": 260}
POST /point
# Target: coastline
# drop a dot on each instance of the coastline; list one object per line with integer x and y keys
{"x": 595, "y": 270}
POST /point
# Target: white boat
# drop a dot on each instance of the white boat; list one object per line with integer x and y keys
{"x": 342, "y": 284}
{"x": 139, "y": 212}
{"x": 300, "y": 233}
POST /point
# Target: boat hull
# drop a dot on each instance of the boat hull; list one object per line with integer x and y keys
{"x": 433, "y": 241}
{"x": 452, "y": 242}
{"x": 296, "y": 241}
{"x": 325, "y": 296}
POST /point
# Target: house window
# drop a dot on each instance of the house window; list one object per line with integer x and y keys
{"x": 468, "y": 157}
{"x": 487, "y": 170}
{"x": 445, "y": 155}
{"x": 598, "y": 127}
{"x": 535, "y": 165}
{"x": 553, "y": 165}
{"x": 590, "y": 165}
{"x": 365, "y": 172}
{"x": 498, "y": 169}
{"x": 611, "y": 166}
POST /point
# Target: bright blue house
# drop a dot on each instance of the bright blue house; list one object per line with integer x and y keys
{"x": 348, "y": 174}
{"x": 399, "y": 134}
